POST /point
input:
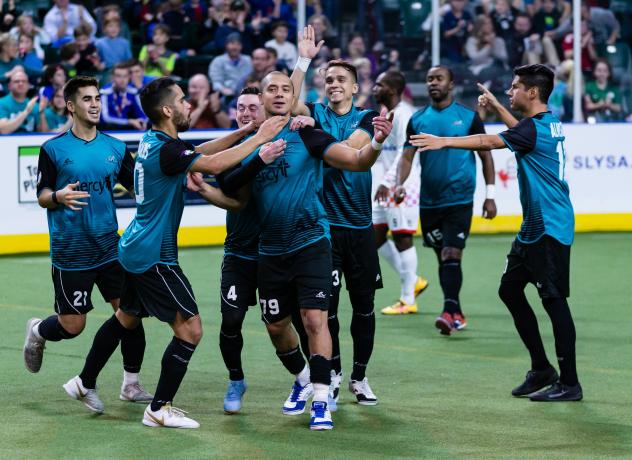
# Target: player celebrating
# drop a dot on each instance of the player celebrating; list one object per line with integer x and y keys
{"x": 77, "y": 171}
{"x": 448, "y": 180}
{"x": 154, "y": 283}
{"x": 401, "y": 219}
{"x": 541, "y": 252}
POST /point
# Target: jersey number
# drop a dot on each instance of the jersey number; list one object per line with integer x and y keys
{"x": 78, "y": 295}
{"x": 232, "y": 293}
{"x": 269, "y": 306}
{"x": 139, "y": 182}
{"x": 561, "y": 156}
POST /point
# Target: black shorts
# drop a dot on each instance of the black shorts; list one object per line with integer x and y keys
{"x": 354, "y": 253}
{"x": 300, "y": 279}
{"x": 161, "y": 291}
{"x": 238, "y": 285}
{"x": 545, "y": 263}
{"x": 446, "y": 227}
{"x": 73, "y": 288}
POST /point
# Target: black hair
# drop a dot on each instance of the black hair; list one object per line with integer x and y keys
{"x": 50, "y": 71}
{"x": 446, "y": 68}
{"x": 345, "y": 65}
{"x": 250, "y": 90}
{"x": 537, "y": 76}
{"x": 153, "y": 96}
{"x": 395, "y": 80}
{"x": 72, "y": 86}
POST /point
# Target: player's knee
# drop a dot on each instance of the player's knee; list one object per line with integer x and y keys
{"x": 506, "y": 292}
{"x": 116, "y": 303}
{"x": 380, "y": 232}
{"x": 73, "y": 325}
{"x": 232, "y": 321}
{"x": 313, "y": 321}
{"x": 403, "y": 241}
{"x": 277, "y": 330}
{"x": 449, "y": 253}
{"x": 362, "y": 303}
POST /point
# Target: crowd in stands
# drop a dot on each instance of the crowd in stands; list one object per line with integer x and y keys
{"x": 214, "y": 48}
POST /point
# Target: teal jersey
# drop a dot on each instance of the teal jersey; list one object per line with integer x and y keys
{"x": 10, "y": 108}
{"x": 242, "y": 233}
{"x": 288, "y": 193}
{"x": 160, "y": 177}
{"x": 53, "y": 119}
{"x": 538, "y": 143}
{"x": 448, "y": 176}
{"x": 347, "y": 194}
{"x": 81, "y": 240}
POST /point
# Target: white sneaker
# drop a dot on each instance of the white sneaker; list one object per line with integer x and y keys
{"x": 363, "y": 392}
{"x": 135, "y": 393}
{"x": 299, "y": 395}
{"x": 168, "y": 417}
{"x": 75, "y": 389}
{"x": 334, "y": 390}
{"x": 33, "y": 350}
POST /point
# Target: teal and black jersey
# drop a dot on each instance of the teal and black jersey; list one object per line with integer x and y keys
{"x": 347, "y": 194}
{"x": 82, "y": 240}
{"x": 538, "y": 143}
{"x": 288, "y": 193}
{"x": 448, "y": 176}
{"x": 159, "y": 182}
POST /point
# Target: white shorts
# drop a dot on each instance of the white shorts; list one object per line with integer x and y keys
{"x": 398, "y": 219}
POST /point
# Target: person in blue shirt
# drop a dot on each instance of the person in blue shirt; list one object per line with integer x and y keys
{"x": 541, "y": 252}
{"x": 154, "y": 284}
{"x": 121, "y": 103}
{"x": 77, "y": 171}
{"x": 446, "y": 192}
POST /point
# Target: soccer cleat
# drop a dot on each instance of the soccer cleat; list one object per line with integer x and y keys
{"x": 420, "y": 285}
{"x": 320, "y": 417}
{"x": 33, "y": 350}
{"x": 75, "y": 389}
{"x": 334, "y": 390}
{"x": 135, "y": 393}
{"x": 459, "y": 321}
{"x": 400, "y": 308}
{"x": 234, "y": 393}
{"x": 559, "y": 392}
{"x": 535, "y": 381}
{"x": 363, "y": 392}
{"x": 299, "y": 395}
{"x": 445, "y": 323}
{"x": 168, "y": 417}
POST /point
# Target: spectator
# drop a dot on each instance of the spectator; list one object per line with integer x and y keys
{"x": 602, "y": 22}
{"x": 365, "y": 84}
{"x": 602, "y": 99}
{"x": 229, "y": 69}
{"x": 263, "y": 62}
{"x": 235, "y": 22}
{"x": 69, "y": 56}
{"x": 357, "y": 49}
{"x": 316, "y": 92}
{"x": 109, "y": 12}
{"x": 89, "y": 62}
{"x": 196, "y": 10}
{"x": 206, "y": 107}
{"x": 9, "y": 59}
{"x": 120, "y": 103}
{"x": 57, "y": 117}
{"x": 17, "y": 113}
{"x": 455, "y": 28}
{"x": 54, "y": 78}
{"x": 62, "y": 20}
{"x": 138, "y": 79}
{"x": 522, "y": 46}
{"x": 487, "y": 52}
{"x": 323, "y": 30}
{"x": 112, "y": 47}
{"x": 274, "y": 63}
{"x": 25, "y": 25}
{"x": 503, "y": 17}
{"x": 30, "y": 61}
{"x": 8, "y": 15}
{"x": 286, "y": 51}
{"x": 156, "y": 58}
{"x": 589, "y": 55}
{"x": 560, "y": 101}
{"x": 175, "y": 17}
{"x": 545, "y": 23}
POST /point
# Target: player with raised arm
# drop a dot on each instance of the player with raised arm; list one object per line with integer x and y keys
{"x": 448, "y": 181}
{"x": 541, "y": 252}
{"x": 77, "y": 172}
{"x": 400, "y": 218}
{"x": 154, "y": 282}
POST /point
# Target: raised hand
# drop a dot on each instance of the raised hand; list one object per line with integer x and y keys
{"x": 383, "y": 125}
{"x": 69, "y": 196}
{"x": 29, "y": 107}
{"x": 307, "y": 46}
{"x": 301, "y": 121}
{"x": 272, "y": 151}
{"x": 271, "y": 127}
{"x": 486, "y": 100}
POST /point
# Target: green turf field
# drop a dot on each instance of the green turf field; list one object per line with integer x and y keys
{"x": 439, "y": 397}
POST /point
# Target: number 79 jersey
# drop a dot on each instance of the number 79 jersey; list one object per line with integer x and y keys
{"x": 538, "y": 143}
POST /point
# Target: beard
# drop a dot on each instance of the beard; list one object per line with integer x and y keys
{"x": 181, "y": 122}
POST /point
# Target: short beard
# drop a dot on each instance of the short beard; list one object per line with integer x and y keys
{"x": 181, "y": 123}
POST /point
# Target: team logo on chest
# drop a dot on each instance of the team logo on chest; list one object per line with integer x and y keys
{"x": 274, "y": 172}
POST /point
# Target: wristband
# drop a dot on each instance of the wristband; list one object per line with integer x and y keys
{"x": 375, "y": 145}
{"x": 303, "y": 64}
{"x": 490, "y": 192}
{"x": 54, "y": 198}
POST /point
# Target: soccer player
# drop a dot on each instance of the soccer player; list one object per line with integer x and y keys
{"x": 77, "y": 171}
{"x": 401, "y": 219}
{"x": 448, "y": 180}
{"x": 541, "y": 252}
{"x": 295, "y": 263}
{"x": 154, "y": 282}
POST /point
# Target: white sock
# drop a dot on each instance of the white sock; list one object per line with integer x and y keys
{"x": 390, "y": 253}
{"x": 37, "y": 332}
{"x": 129, "y": 378}
{"x": 321, "y": 392}
{"x": 408, "y": 274}
{"x": 303, "y": 377}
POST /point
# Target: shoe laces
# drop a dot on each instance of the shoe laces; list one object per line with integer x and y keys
{"x": 319, "y": 409}
{"x": 363, "y": 387}
{"x": 233, "y": 391}
{"x": 176, "y": 412}
{"x": 297, "y": 389}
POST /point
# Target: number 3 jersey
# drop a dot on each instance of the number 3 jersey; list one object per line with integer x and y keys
{"x": 85, "y": 239}
{"x": 160, "y": 177}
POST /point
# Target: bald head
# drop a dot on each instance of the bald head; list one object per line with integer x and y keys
{"x": 278, "y": 78}
{"x": 199, "y": 86}
{"x": 277, "y": 93}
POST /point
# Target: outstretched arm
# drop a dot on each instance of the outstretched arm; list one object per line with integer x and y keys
{"x": 214, "y": 195}
{"x": 488, "y": 101}
{"x": 308, "y": 49}
{"x": 477, "y": 142}
{"x": 225, "y": 142}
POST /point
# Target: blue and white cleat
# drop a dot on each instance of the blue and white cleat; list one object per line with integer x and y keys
{"x": 321, "y": 417}
{"x": 234, "y": 393}
{"x": 299, "y": 395}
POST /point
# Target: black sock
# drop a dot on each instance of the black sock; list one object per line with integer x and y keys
{"x": 133, "y": 348}
{"x": 292, "y": 360}
{"x": 105, "y": 342}
{"x": 512, "y": 294}
{"x": 175, "y": 361}
{"x": 51, "y": 330}
{"x": 231, "y": 342}
{"x": 362, "y": 331}
{"x": 564, "y": 333}
{"x": 451, "y": 279}
{"x": 320, "y": 369}
{"x": 297, "y": 322}
{"x": 334, "y": 330}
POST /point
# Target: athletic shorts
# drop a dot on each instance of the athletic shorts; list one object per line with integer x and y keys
{"x": 446, "y": 227}
{"x": 545, "y": 263}
{"x": 161, "y": 291}
{"x": 300, "y": 279}
{"x": 238, "y": 285}
{"x": 354, "y": 254}
{"x": 398, "y": 219}
{"x": 73, "y": 288}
